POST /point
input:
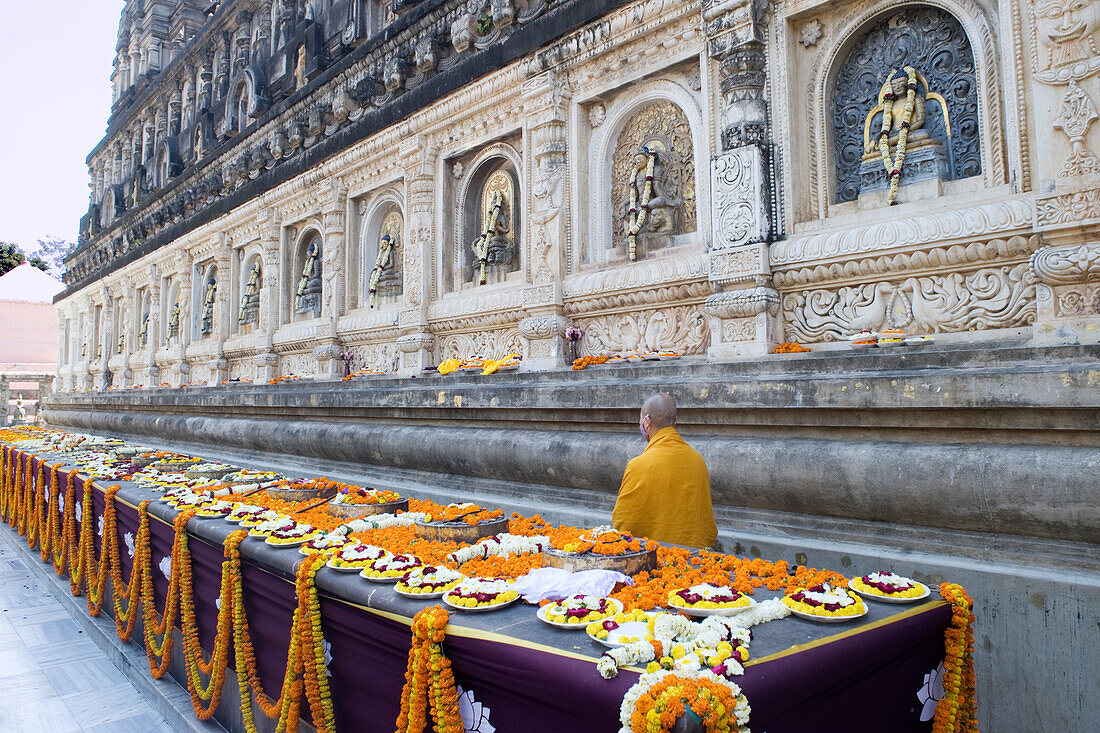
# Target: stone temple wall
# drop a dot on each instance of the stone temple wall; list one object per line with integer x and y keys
{"x": 326, "y": 192}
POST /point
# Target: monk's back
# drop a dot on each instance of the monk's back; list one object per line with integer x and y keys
{"x": 665, "y": 494}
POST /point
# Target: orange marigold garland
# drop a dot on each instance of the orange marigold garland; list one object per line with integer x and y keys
{"x": 658, "y": 699}
{"x": 429, "y": 679}
{"x": 958, "y": 710}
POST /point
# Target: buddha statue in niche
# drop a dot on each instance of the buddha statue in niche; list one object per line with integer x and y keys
{"x": 923, "y": 156}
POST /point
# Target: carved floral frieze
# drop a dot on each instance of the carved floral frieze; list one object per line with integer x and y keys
{"x": 686, "y": 329}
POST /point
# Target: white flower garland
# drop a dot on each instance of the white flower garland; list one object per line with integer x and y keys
{"x": 380, "y": 521}
{"x": 481, "y": 246}
{"x": 385, "y": 247}
{"x": 500, "y": 545}
{"x": 893, "y": 167}
{"x": 635, "y": 218}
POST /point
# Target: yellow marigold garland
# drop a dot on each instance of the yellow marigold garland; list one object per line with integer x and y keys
{"x": 429, "y": 680}
{"x": 958, "y": 710}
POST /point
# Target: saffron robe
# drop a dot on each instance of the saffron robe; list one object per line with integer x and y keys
{"x": 665, "y": 494}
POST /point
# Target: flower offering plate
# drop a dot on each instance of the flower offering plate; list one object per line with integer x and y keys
{"x": 618, "y": 606}
{"x": 479, "y": 609}
{"x": 633, "y": 629}
{"x": 828, "y": 619}
{"x": 704, "y": 612}
{"x": 891, "y": 599}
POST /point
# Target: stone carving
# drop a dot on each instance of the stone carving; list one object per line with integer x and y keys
{"x": 1067, "y": 265}
{"x": 1075, "y": 116}
{"x": 952, "y": 257}
{"x": 685, "y": 329}
{"x": 810, "y": 33}
{"x": 486, "y": 344}
{"x": 741, "y": 329}
{"x": 543, "y": 327}
{"x": 494, "y": 249}
{"x": 1072, "y": 207}
{"x": 738, "y": 198}
{"x": 993, "y": 297}
{"x": 971, "y": 222}
{"x": 1083, "y": 300}
{"x": 933, "y": 41}
{"x": 308, "y": 294}
{"x": 661, "y": 127}
{"x": 742, "y": 77}
{"x": 597, "y": 113}
{"x": 547, "y": 194}
{"x": 743, "y": 303}
{"x": 385, "y": 279}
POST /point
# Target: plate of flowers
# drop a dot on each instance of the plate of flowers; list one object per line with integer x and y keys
{"x": 267, "y": 526}
{"x": 825, "y": 604}
{"x": 248, "y": 515}
{"x": 479, "y": 595}
{"x": 619, "y": 630}
{"x": 578, "y": 610}
{"x": 705, "y": 599}
{"x": 292, "y": 536}
{"x": 213, "y": 510}
{"x": 326, "y": 543}
{"x": 390, "y": 569}
{"x": 353, "y": 558}
{"x": 889, "y": 588}
{"x": 429, "y": 581}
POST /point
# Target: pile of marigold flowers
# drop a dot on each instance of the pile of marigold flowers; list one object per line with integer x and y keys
{"x": 790, "y": 348}
{"x": 584, "y": 361}
{"x": 284, "y": 378}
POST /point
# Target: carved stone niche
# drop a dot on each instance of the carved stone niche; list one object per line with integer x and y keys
{"x": 383, "y": 247}
{"x": 486, "y": 240}
{"x": 307, "y": 282}
{"x": 944, "y": 139}
{"x": 1067, "y": 294}
{"x": 658, "y": 134}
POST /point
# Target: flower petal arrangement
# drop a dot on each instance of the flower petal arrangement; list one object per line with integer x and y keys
{"x": 889, "y": 586}
{"x": 824, "y": 601}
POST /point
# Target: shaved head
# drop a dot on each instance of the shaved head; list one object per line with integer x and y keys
{"x": 661, "y": 410}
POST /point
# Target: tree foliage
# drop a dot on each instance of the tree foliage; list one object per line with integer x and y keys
{"x": 10, "y": 257}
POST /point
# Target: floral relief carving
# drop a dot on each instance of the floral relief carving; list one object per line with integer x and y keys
{"x": 1076, "y": 206}
{"x": 993, "y": 297}
{"x": 1078, "y": 301}
{"x": 683, "y": 328}
{"x": 739, "y": 330}
{"x": 1067, "y": 265}
{"x": 486, "y": 344}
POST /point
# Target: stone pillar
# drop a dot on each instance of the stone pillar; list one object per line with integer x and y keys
{"x": 744, "y": 313}
{"x": 417, "y": 343}
{"x": 5, "y": 395}
{"x": 334, "y": 202}
{"x": 267, "y": 366}
{"x": 544, "y": 345}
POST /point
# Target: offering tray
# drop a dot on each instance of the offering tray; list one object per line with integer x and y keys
{"x": 460, "y": 531}
{"x": 366, "y": 510}
{"x": 628, "y": 564}
{"x": 216, "y": 473}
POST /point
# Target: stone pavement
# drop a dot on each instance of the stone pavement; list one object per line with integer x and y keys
{"x": 53, "y": 676}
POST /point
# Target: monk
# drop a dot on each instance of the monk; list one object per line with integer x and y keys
{"x": 665, "y": 493}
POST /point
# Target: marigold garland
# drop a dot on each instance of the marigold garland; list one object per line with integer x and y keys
{"x": 429, "y": 679}
{"x": 958, "y": 710}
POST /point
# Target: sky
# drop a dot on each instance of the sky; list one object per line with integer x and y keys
{"x": 55, "y": 97}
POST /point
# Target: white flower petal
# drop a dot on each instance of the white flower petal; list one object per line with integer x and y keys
{"x": 165, "y": 566}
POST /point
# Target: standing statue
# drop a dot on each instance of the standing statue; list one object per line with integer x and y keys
{"x": 493, "y": 246}
{"x": 20, "y": 411}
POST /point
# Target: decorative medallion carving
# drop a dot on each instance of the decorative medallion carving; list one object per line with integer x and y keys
{"x": 935, "y": 44}
{"x": 1067, "y": 265}
{"x": 739, "y": 198}
{"x": 661, "y": 127}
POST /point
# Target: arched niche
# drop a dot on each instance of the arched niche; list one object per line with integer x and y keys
{"x": 491, "y": 186}
{"x": 249, "y": 288}
{"x": 207, "y": 297}
{"x": 944, "y": 141}
{"x": 245, "y": 99}
{"x": 305, "y": 282}
{"x": 382, "y": 232}
{"x": 661, "y": 118}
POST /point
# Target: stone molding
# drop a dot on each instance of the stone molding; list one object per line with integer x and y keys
{"x": 743, "y": 303}
{"x": 994, "y": 218}
{"x": 1067, "y": 265}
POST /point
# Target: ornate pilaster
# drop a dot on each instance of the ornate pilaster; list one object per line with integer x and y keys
{"x": 269, "y": 295}
{"x": 5, "y": 395}
{"x": 1067, "y": 293}
{"x": 543, "y": 344}
{"x": 416, "y": 343}
{"x": 267, "y": 366}
{"x": 743, "y": 323}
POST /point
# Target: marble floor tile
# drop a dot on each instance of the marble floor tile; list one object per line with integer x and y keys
{"x": 38, "y": 615}
{"x": 25, "y": 687}
{"x": 48, "y": 715}
{"x": 145, "y": 723}
{"x": 84, "y": 676}
{"x": 51, "y": 633}
{"x": 90, "y": 708}
{"x": 66, "y": 653}
{"x": 16, "y": 658}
